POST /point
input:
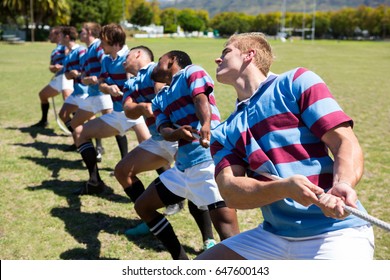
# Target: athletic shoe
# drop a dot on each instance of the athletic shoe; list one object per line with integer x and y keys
{"x": 88, "y": 188}
{"x": 141, "y": 229}
{"x": 41, "y": 124}
{"x": 208, "y": 244}
{"x": 99, "y": 153}
{"x": 173, "y": 209}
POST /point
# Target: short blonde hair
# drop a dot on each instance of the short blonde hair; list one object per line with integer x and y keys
{"x": 257, "y": 41}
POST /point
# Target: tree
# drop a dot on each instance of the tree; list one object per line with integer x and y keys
{"x": 142, "y": 16}
{"x": 45, "y": 12}
{"x": 101, "y": 11}
{"x": 190, "y": 21}
{"x": 168, "y": 19}
{"x": 228, "y": 23}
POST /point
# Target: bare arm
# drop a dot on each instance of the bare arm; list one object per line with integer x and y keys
{"x": 242, "y": 192}
{"x": 348, "y": 162}
{"x": 203, "y": 112}
{"x": 109, "y": 89}
{"x": 134, "y": 110}
{"x": 54, "y": 68}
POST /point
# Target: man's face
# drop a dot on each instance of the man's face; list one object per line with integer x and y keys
{"x": 229, "y": 64}
{"x": 53, "y": 36}
{"x": 83, "y": 35}
{"x": 162, "y": 72}
{"x": 62, "y": 39}
{"x": 106, "y": 47}
{"x": 130, "y": 62}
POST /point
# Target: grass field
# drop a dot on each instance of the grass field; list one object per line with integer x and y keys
{"x": 41, "y": 219}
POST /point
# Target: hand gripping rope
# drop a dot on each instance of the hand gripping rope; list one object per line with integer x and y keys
{"x": 349, "y": 209}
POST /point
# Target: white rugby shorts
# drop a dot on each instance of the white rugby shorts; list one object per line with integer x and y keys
{"x": 97, "y": 103}
{"x": 162, "y": 148}
{"x": 344, "y": 244}
{"x": 119, "y": 121}
{"x": 60, "y": 83}
{"x": 76, "y": 99}
{"x": 195, "y": 183}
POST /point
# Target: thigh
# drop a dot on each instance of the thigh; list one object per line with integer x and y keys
{"x": 149, "y": 202}
{"x": 47, "y": 92}
{"x": 219, "y": 252}
{"x": 97, "y": 128}
{"x": 81, "y": 117}
{"x": 67, "y": 109}
{"x": 139, "y": 160}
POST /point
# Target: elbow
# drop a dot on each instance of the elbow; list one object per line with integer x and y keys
{"x": 230, "y": 199}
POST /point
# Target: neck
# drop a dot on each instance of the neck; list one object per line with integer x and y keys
{"x": 247, "y": 85}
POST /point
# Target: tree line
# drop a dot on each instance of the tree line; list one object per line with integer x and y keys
{"x": 363, "y": 21}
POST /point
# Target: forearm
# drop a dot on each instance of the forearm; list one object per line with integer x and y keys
{"x": 347, "y": 154}
{"x": 134, "y": 110}
{"x": 105, "y": 88}
{"x": 243, "y": 192}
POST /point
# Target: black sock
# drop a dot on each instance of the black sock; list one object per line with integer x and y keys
{"x": 163, "y": 230}
{"x": 88, "y": 153}
{"x": 135, "y": 190}
{"x": 98, "y": 143}
{"x": 122, "y": 144}
{"x": 45, "y": 109}
{"x": 203, "y": 220}
{"x": 68, "y": 126}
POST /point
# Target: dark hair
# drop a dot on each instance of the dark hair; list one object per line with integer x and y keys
{"x": 146, "y": 50}
{"x": 70, "y": 31}
{"x": 113, "y": 34}
{"x": 182, "y": 58}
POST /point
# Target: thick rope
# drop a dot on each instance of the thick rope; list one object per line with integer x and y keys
{"x": 356, "y": 212}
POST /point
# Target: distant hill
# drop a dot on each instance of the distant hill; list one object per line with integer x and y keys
{"x": 255, "y": 7}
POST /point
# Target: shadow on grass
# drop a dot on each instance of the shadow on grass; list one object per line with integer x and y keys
{"x": 56, "y": 164}
{"x": 86, "y": 227}
{"x": 66, "y": 189}
{"x": 34, "y": 131}
{"x": 44, "y": 147}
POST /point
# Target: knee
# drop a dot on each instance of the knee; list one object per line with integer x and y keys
{"x": 121, "y": 173}
{"x": 77, "y": 134}
{"x": 63, "y": 116}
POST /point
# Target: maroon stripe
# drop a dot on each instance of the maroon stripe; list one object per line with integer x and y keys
{"x": 329, "y": 121}
{"x": 297, "y": 152}
{"x": 299, "y": 72}
{"x": 313, "y": 94}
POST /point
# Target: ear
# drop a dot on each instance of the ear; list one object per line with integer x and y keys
{"x": 250, "y": 55}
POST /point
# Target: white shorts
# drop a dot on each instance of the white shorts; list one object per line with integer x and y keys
{"x": 60, "y": 83}
{"x": 119, "y": 121}
{"x": 96, "y": 103}
{"x": 76, "y": 99}
{"x": 349, "y": 243}
{"x": 162, "y": 148}
{"x": 195, "y": 183}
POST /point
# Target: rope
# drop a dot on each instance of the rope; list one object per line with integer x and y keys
{"x": 356, "y": 212}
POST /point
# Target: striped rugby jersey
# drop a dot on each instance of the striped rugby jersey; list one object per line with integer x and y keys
{"x": 278, "y": 131}
{"x": 92, "y": 65}
{"x": 175, "y": 105}
{"x": 73, "y": 61}
{"x": 141, "y": 90}
{"x": 114, "y": 73}
{"x": 57, "y": 57}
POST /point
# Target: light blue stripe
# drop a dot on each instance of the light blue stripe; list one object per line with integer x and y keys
{"x": 319, "y": 109}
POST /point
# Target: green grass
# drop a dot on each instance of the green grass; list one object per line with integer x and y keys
{"x": 40, "y": 219}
